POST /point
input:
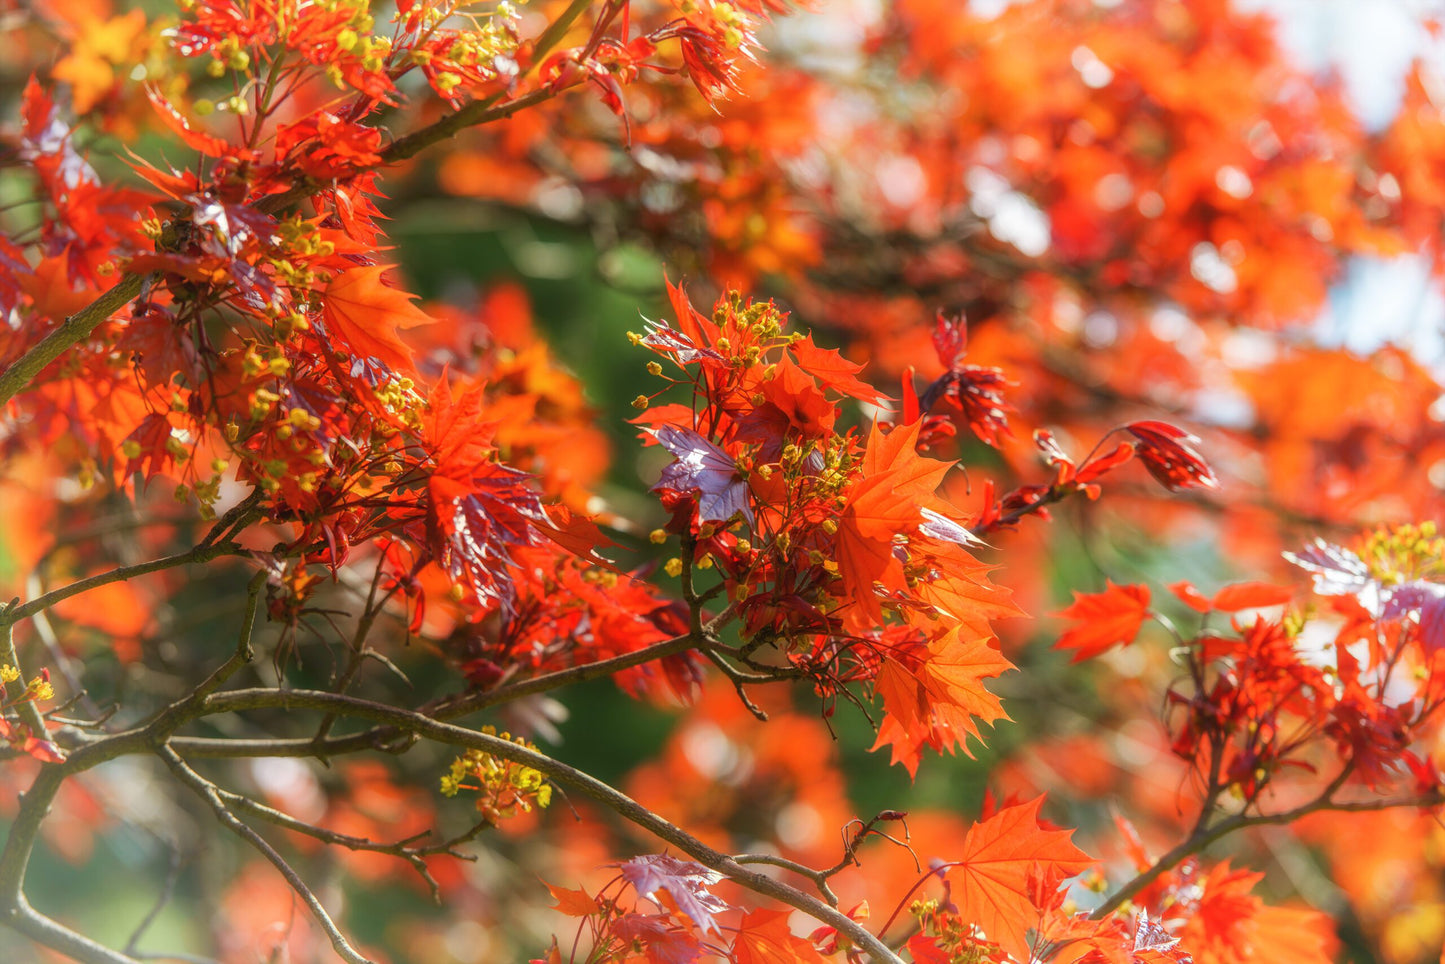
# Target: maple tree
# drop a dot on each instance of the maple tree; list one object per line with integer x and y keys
{"x": 297, "y": 560}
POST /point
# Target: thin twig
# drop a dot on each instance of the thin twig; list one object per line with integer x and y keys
{"x": 818, "y": 877}
{"x": 403, "y": 849}
{"x": 168, "y": 889}
{"x": 206, "y": 790}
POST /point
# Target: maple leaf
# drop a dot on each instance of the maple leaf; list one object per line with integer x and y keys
{"x": 364, "y": 313}
{"x": 664, "y": 941}
{"x": 101, "y": 45}
{"x": 1109, "y": 618}
{"x": 924, "y": 949}
{"x": 479, "y": 509}
{"x": 939, "y": 526}
{"x": 196, "y": 140}
{"x": 834, "y": 371}
{"x": 1190, "y": 596}
{"x": 991, "y": 879}
{"x": 1250, "y": 595}
{"x": 573, "y": 903}
{"x": 703, "y": 467}
{"x": 20, "y": 738}
{"x": 1153, "y": 944}
{"x": 884, "y": 502}
{"x": 1229, "y": 924}
{"x": 684, "y": 881}
{"x": 146, "y": 448}
{"x": 863, "y": 545}
{"x": 1232, "y": 599}
{"x": 765, "y": 938}
{"x": 934, "y": 693}
{"x": 957, "y": 588}
{"x": 1337, "y": 571}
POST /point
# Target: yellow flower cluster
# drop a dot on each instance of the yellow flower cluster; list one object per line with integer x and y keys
{"x": 504, "y": 788}
{"x": 1397, "y": 554}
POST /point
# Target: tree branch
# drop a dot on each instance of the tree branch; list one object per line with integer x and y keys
{"x": 72, "y": 331}
{"x": 561, "y": 773}
{"x": 207, "y": 791}
{"x": 15, "y": 689}
{"x": 403, "y": 849}
{"x": 48, "y": 933}
{"x": 384, "y": 738}
{"x": 1203, "y": 837}
{"x": 818, "y": 877}
{"x": 197, "y": 554}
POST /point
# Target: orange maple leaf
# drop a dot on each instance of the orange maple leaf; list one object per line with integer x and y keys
{"x": 573, "y": 903}
{"x": 959, "y": 589}
{"x": 1108, "y": 618}
{"x": 935, "y": 694}
{"x": 991, "y": 880}
{"x": 364, "y": 313}
{"x": 1230, "y": 925}
{"x": 834, "y": 371}
{"x": 765, "y": 938}
{"x": 99, "y": 46}
{"x": 885, "y": 501}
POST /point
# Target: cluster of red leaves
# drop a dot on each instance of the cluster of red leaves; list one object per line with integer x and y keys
{"x": 1363, "y": 678}
{"x": 999, "y": 899}
{"x": 1188, "y": 180}
{"x": 1004, "y": 880}
{"x": 835, "y": 551}
{"x": 1209, "y": 916}
{"x": 684, "y": 925}
{"x": 310, "y": 394}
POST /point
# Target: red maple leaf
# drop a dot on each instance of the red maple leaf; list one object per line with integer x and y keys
{"x": 1108, "y": 618}
{"x": 1251, "y": 595}
{"x": 364, "y": 314}
{"x": 1169, "y": 455}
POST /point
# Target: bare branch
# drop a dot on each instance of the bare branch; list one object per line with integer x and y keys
{"x": 48, "y": 933}
{"x": 569, "y": 777}
{"x": 34, "y": 805}
{"x": 404, "y": 849}
{"x": 207, "y": 791}
{"x": 198, "y": 554}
